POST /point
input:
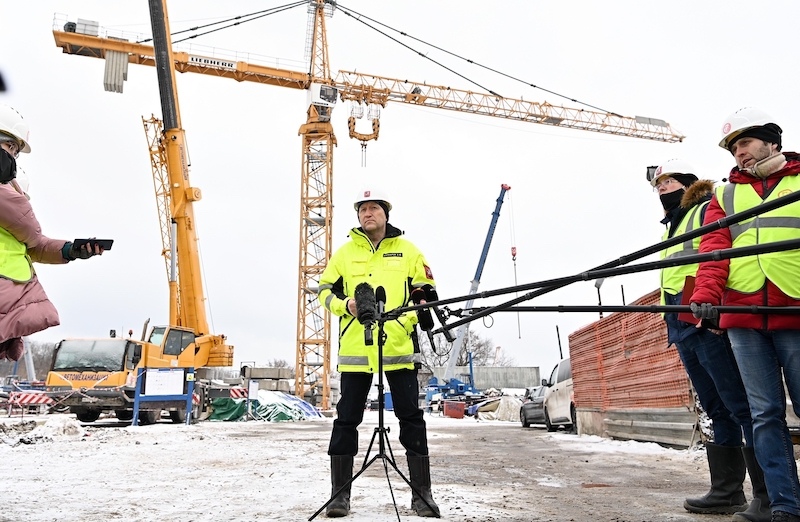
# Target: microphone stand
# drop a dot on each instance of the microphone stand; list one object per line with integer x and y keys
{"x": 381, "y": 432}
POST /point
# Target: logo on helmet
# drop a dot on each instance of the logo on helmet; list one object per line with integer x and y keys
{"x": 367, "y": 193}
{"x": 726, "y": 128}
{"x": 658, "y": 173}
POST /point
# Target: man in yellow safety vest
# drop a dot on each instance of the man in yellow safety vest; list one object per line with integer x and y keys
{"x": 766, "y": 346}
{"x": 377, "y": 254}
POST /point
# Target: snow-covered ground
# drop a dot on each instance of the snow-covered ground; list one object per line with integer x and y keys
{"x": 244, "y": 471}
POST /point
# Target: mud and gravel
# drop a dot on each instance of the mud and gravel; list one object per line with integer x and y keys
{"x": 243, "y": 471}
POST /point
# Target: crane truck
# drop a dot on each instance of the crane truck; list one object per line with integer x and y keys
{"x": 91, "y": 376}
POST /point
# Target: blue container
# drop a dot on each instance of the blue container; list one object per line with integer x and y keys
{"x": 387, "y": 401}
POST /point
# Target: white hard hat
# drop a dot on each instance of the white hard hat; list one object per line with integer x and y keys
{"x": 371, "y": 195}
{"x": 742, "y": 120}
{"x": 12, "y": 124}
{"x": 671, "y": 168}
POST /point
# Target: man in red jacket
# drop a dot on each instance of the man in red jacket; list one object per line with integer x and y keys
{"x": 764, "y": 345}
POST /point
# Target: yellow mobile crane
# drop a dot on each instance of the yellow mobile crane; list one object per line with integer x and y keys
{"x": 93, "y": 375}
{"x": 318, "y": 140}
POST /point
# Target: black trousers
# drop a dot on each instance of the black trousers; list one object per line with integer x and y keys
{"x": 350, "y": 410}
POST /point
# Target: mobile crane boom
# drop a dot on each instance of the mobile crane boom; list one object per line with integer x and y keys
{"x": 189, "y": 311}
{"x": 458, "y": 344}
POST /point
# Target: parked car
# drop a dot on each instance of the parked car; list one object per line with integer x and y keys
{"x": 532, "y": 409}
{"x": 559, "y": 408}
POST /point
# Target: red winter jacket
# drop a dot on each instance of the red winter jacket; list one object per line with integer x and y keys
{"x": 713, "y": 275}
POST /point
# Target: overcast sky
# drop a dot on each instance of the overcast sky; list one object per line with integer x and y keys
{"x": 578, "y": 198}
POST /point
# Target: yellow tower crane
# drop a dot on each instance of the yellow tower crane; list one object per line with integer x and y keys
{"x": 318, "y": 139}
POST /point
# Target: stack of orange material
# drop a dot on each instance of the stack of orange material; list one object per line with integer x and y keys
{"x": 623, "y": 361}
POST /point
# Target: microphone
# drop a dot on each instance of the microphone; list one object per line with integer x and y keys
{"x": 365, "y": 309}
{"x": 365, "y": 303}
{"x": 432, "y": 295}
{"x": 380, "y": 297}
{"x": 424, "y": 316}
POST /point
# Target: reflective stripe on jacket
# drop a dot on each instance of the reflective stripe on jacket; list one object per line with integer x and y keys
{"x": 749, "y": 274}
{"x": 14, "y": 261}
{"x": 396, "y": 265}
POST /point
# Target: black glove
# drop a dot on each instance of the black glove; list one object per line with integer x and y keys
{"x": 85, "y": 251}
{"x": 707, "y": 313}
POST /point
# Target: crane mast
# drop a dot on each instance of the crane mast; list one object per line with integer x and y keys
{"x": 313, "y": 353}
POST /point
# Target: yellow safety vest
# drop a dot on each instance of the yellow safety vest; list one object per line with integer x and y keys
{"x": 14, "y": 261}
{"x": 749, "y": 274}
{"x": 673, "y": 277}
{"x": 394, "y": 265}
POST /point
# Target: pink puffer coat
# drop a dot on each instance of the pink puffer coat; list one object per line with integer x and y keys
{"x": 24, "y": 307}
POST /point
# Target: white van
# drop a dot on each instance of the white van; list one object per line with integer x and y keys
{"x": 559, "y": 408}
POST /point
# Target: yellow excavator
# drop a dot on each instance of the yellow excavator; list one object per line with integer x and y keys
{"x": 91, "y": 376}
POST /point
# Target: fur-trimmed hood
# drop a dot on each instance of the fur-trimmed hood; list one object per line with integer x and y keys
{"x": 697, "y": 192}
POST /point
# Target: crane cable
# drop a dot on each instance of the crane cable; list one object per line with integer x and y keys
{"x": 239, "y": 21}
{"x": 514, "y": 254}
{"x": 345, "y": 11}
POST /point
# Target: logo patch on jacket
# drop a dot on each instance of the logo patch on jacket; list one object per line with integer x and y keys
{"x": 393, "y": 254}
{"x": 428, "y": 272}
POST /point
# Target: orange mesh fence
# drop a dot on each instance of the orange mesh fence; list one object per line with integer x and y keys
{"x": 623, "y": 362}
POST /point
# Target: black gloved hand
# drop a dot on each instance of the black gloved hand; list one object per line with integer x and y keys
{"x": 707, "y": 313}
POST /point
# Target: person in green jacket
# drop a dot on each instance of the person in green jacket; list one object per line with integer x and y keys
{"x": 377, "y": 254}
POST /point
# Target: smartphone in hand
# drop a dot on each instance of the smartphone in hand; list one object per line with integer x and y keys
{"x": 105, "y": 244}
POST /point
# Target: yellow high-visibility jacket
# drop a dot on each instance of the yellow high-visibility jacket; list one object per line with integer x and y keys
{"x": 14, "y": 261}
{"x": 396, "y": 265}
{"x": 695, "y": 201}
{"x": 749, "y": 274}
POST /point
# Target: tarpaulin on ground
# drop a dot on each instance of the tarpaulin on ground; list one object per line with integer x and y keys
{"x": 269, "y": 406}
{"x": 228, "y": 409}
{"x": 507, "y": 410}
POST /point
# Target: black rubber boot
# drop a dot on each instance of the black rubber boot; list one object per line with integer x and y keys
{"x": 758, "y": 510}
{"x": 341, "y": 472}
{"x": 727, "y": 468}
{"x": 420, "y": 470}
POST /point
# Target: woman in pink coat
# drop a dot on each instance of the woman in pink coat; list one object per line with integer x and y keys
{"x": 24, "y": 307}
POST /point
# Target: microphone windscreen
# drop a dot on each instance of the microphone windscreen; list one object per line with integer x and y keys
{"x": 423, "y": 316}
{"x": 365, "y": 303}
{"x": 425, "y": 319}
{"x": 380, "y": 295}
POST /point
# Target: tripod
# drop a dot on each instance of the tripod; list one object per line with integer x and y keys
{"x": 380, "y": 433}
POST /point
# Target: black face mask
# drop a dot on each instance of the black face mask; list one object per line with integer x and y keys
{"x": 8, "y": 167}
{"x": 671, "y": 200}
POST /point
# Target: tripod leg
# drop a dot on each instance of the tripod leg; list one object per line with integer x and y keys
{"x": 375, "y": 433}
